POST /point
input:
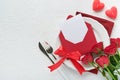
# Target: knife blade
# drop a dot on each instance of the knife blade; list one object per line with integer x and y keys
{"x": 44, "y": 52}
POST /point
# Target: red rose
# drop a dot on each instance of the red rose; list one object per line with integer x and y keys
{"x": 110, "y": 50}
{"x": 97, "y": 48}
{"x": 115, "y": 41}
{"x": 102, "y": 61}
{"x": 87, "y": 58}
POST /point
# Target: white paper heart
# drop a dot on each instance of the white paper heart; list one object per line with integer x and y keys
{"x": 74, "y": 29}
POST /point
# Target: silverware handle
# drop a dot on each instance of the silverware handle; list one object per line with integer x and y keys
{"x": 50, "y": 59}
{"x": 54, "y": 57}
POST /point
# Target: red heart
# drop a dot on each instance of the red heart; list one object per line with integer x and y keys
{"x": 112, "y": 13}
{"x": 97, "y": 5}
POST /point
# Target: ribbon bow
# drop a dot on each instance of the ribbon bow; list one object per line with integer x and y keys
{"x": 72, "y": 56}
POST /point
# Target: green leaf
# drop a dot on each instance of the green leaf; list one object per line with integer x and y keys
{"x": 111, "y": 67}
{"x": 112, "y": 61}
{"x": 118, "y": 53}
{"x": 117, "y": 57}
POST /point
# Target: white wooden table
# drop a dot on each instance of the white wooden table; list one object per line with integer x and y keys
{"x": 23, "y": 23}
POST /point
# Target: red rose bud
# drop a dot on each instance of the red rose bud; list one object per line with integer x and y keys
{"x": 110, "y": 50}
{"x": 97, "y": 48}
{"x": 102, "y": 61}
{"x": 115, "y": 41}
{"x": 87, "y": 58}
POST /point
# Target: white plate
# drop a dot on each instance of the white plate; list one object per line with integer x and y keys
{"x": 100, "y": 34}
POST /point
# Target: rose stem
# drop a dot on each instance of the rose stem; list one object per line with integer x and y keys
{"x": 110, "y": 73}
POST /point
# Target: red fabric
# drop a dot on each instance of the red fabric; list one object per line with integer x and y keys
{"x": 95, "y": 71}
{"x": 70, "y": 16}
{"x": 108, "y": 25}
{"x": 84, "y": 46}
{"x": 73, "y": 57}
{"x": 78, "y": 66}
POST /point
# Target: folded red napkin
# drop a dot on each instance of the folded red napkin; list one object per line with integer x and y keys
{"x": 108, "y": 25}
{"x": 84, "y": 46}
{"x": 89, "y": 39}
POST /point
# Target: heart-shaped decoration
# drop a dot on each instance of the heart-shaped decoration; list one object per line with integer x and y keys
{"x": 97, "y": 5}
{"x": 112, "y": 13}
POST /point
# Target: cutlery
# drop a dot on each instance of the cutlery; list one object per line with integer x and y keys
{"x": 49, "y": 50}
{"x": 44, "y": 52}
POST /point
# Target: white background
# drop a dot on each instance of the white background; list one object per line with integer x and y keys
{"x": 23, "y": 23}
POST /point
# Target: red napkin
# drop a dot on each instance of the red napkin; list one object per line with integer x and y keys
{"x": 108, "y": 25}
{"x": 84, "y": 46}
{"x": 89, "y": 39}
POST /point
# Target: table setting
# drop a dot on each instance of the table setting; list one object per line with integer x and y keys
{"x": 65, "y": 40}
{"x": 80, "y": 44}
{"x": 94, "y": 40}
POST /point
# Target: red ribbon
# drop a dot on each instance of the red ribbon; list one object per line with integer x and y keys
{"x": 72, "y": 56}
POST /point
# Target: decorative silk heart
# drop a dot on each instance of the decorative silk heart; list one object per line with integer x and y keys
{"x": 112, "y": 13}
{"x": 97, "y": 5}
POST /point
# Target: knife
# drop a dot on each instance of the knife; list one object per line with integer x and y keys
{"x": 44, "y": 52}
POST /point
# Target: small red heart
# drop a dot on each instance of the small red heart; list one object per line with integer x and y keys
{"x": 112, "y": 13}
{"x": 97, "y": 5}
